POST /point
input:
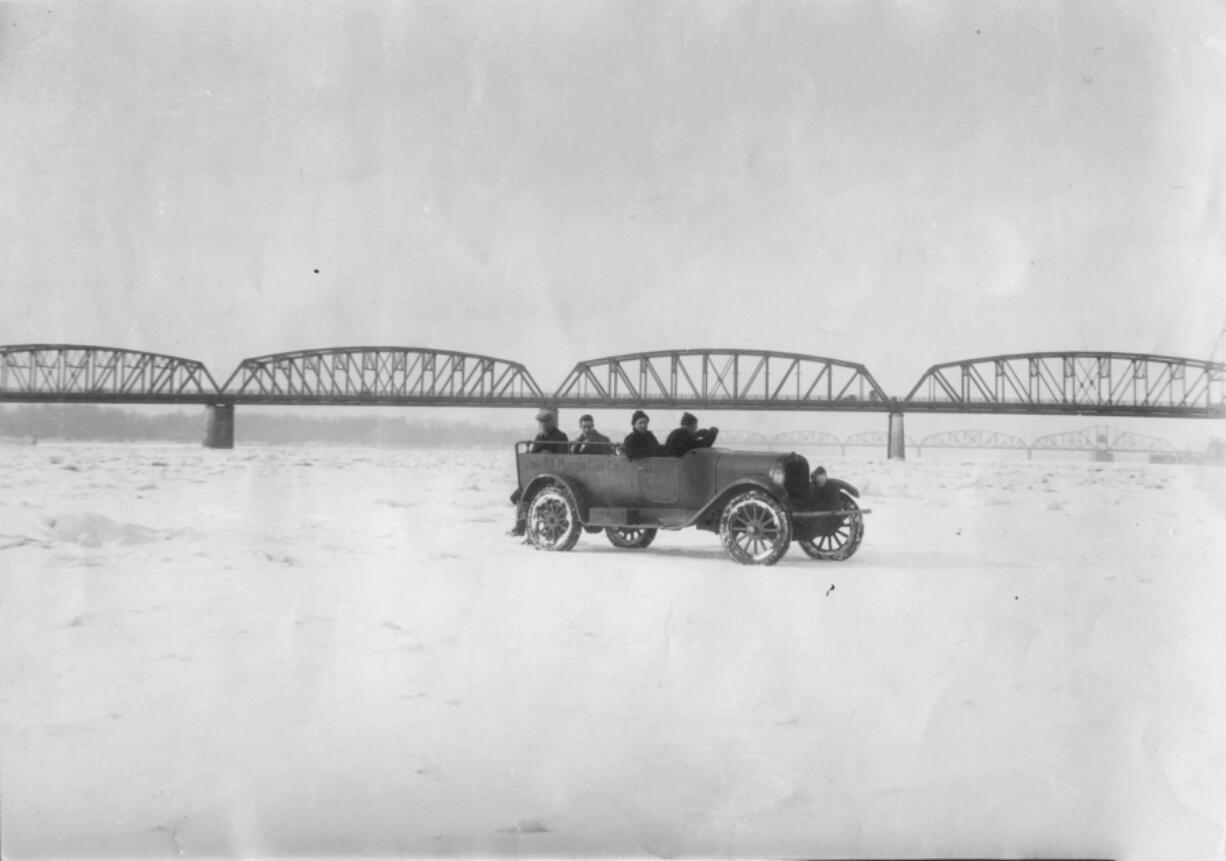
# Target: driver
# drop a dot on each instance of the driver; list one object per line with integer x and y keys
{"x": 688, "y": 437}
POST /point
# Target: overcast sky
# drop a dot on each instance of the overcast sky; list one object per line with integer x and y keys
{"x": 892, "y": 183}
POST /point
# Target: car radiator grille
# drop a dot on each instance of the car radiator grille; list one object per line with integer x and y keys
{"x": 796, "y": 479}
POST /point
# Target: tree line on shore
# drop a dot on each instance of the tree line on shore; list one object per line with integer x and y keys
{"x": 88, "y": 422}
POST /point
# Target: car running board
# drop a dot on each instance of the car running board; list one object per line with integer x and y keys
{"x": 658, "y": 518}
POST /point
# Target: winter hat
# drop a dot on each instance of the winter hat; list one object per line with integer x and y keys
{"x": 638, "y": 414}
{"x": 688, "y": 419}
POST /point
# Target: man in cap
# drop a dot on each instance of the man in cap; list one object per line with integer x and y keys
{"x": 641, "y": 442}
{"x": 688, "y": 437}
{"x": 590, "y": 440}
{"x": 550, "y": 437}
{"x": 825, "y": 493}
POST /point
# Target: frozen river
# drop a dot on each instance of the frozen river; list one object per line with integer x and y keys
{"x": 322, "y": 651}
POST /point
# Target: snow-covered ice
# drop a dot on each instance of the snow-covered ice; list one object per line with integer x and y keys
{"x": 322, "y": 651}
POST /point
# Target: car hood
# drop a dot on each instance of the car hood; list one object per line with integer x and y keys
{"x": 731, "y": 464}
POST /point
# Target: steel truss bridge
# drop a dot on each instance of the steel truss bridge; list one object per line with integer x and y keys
{"x": 864, "y": 439}
{"x": 381, "y": 376}
{"x": 66, "y": 373}
{"x": 1073, "y": 383}
{"x": 1099, "y": 438}
{"x": 1106, "y": 384}
{"x": 807, "y": 438}
{"x": 722, "y": 379}
{"x": 973, "y": 439}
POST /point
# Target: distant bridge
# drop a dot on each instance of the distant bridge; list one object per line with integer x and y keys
{"x": 973, "y": 439}
{"x": 732, "y": 436}
{"x": 808, "y": 438}
{"x": 875, "y": 439}
{"x": 1074, "y": 383}
{"x": 864, "y": 439}
{"x": 1099, "y": 438}
{"x": 1104, "y": 439}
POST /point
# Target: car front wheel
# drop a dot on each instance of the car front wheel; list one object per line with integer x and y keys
{"x": 755, "y": 530}
{"x": 838, "y": 537}
{"x": 553, "y": 520}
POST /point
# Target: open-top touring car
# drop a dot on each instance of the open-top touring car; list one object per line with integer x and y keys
{"x": 756, "y": 501}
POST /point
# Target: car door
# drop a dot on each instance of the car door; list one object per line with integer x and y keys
{"x": 697, "y": 477}
{"x": 659, "y": 481}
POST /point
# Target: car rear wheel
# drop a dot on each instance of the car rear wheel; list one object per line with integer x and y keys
{"x": 838, "y": 537}
{"x": 630, "y": 536}
{"x": 755, "y": 530}
{"x": 553, "y": 520}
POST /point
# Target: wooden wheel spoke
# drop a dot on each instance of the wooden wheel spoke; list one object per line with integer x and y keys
{"x": 755, "y": 529}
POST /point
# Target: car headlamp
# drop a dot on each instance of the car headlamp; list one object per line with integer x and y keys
{"x": 778, "y": 474}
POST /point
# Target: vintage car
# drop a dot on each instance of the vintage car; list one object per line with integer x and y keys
{"x": 757, "y": 501}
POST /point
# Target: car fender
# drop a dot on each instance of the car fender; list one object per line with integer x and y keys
{"x": 843, "y": 487}
{"x": 577, "y": 493}
{"x": 741, "y": 485}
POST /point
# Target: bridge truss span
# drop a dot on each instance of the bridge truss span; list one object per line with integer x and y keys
{"x": 807, "y": 438}
{"x": 873, "y": 439}
{"x": 1125, "y": 384}
{"x": 735, "y": 437}
{"x": 973, "y": 439}
{"x": 74, "y": 372}
{"x": 724, "y": 379}
{"x": 382, "y": 375}
{"x": 1102, "y": 438}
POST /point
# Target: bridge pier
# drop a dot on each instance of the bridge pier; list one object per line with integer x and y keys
{"x": 896, "y": 447}
{"x": 219, "y": 433}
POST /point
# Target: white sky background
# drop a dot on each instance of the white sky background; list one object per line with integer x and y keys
{"x": 897, "y": 184}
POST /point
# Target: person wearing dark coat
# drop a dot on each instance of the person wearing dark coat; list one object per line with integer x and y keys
{"x": 825, "y": 493}
{"x": 590, "y": 440}
{"x": 688, "y": 437}
{"x": 641, "y": 442}
{"x": 550, "y": 438}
